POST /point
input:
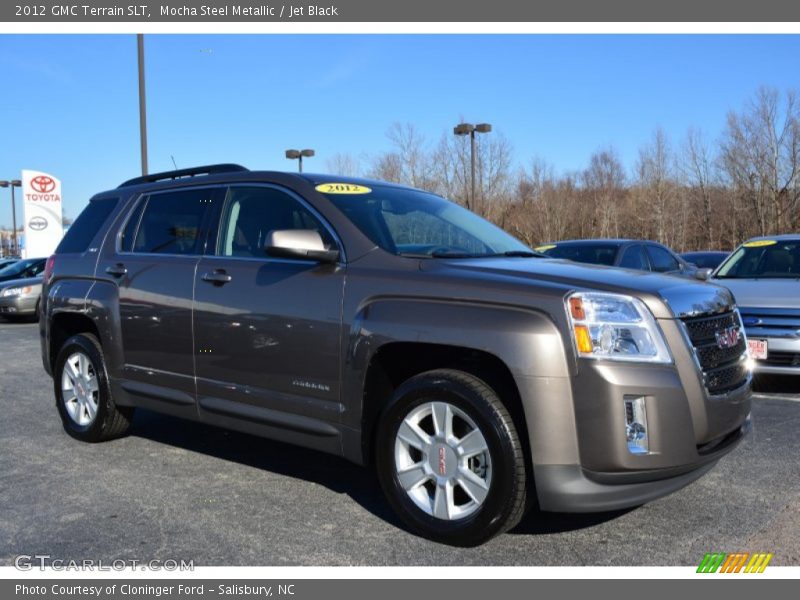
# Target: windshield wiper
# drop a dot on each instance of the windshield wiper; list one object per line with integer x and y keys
{"x": 523, "y": 254}
{"x": 457, "y": 254}
{"x": 452, "y": 254}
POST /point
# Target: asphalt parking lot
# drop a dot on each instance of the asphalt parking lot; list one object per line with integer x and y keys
{"x": 179, "y": 490}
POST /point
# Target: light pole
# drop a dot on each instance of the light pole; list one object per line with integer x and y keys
{"x": 13, "y": 183}
{"x": 471, "y": 130}
{"x": 299, "y": 154}
{"x": 142, "y": 102}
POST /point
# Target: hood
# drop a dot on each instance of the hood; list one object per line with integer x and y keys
{"x": 682, "y": 297}
{"x": 31, "y": 281}
{"x": 763, "y": 293}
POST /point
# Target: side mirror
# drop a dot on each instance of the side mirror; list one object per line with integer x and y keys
{"x": 304, "y": 244}
{"x": 703, "y": 274}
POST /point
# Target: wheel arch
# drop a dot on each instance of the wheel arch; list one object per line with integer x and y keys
{"x": 394, "y": 339}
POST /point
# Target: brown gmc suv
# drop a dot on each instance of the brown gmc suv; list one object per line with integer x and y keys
{"x": 397, "y": 329}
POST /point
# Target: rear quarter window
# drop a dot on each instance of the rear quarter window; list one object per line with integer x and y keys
{"x": 91, "y": 220}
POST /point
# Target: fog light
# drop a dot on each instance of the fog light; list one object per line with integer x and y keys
{"x": 636, "y": 425}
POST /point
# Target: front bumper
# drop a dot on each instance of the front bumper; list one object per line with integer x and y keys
{"x": 573, "y": 489}
{"x": 18, "y": 306}
{"x": 783, "y": 355}
{"x": 580, "y": 455}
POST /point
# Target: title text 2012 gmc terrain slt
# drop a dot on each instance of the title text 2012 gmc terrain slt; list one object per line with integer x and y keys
{"x": 394, "y": 328}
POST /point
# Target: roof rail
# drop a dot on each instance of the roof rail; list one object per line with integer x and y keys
{"x": 179, "y": 173}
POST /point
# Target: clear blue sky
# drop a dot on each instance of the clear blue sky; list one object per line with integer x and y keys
{"x": 69, "y": 104}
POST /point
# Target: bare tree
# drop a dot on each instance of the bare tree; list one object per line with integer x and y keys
{"x": 698, "y": 168}
{"x": 604, "y": 185}
{"x": 345, "y": 165}
{"x": 657, "y": 188}
{"x": 760, "y": 154}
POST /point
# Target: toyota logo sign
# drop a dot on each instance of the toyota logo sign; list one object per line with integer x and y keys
{"x": 43, "y": 184}
{"x": 37, "y": 223}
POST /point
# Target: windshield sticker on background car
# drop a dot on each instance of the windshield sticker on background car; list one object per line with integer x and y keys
{"x": 759, "y": 243}
{"x": 342, "y": 188}
{"x": 543, "y": 248}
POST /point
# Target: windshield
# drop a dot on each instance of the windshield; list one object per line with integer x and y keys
{"x": 17, "y": 267}
{"x": 595, "y": 254}
{"x": 763, "y": 259}
{"x": 414, "y": 223}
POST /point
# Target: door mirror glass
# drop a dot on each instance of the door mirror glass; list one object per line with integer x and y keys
{"x": 304, "y": 244}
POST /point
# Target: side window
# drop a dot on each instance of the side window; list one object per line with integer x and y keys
{"x": 89, "y": 222}
{"x": 634, "y": 258}
{"x": 663, "y": 261}
{"x": 251, "y": 213}
{"x": 129, "y": 232}
{"x": 171, "y": 221}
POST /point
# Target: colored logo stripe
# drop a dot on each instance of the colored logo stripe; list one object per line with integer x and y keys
{"x": 734, "y": 563}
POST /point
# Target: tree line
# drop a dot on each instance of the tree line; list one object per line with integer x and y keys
{"x": 692, "y": 193}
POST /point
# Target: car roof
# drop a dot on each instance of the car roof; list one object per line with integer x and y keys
{"x": 227, "y": 173}
{"x": 618, "y": 241}
{"x": 784, "y": 237}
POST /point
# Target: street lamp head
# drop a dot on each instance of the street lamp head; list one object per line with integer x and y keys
{"x": 483, "y": 127}
{"x": 293, "y": 154}
{"x": 16, "y": 183}
{"x": 4, "y": 184}
{"x": 307, "y": 152}
{"x": 463, "y": 129}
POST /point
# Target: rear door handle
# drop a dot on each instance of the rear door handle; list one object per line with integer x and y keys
{"x": 118, "y": 270}
{"x": 217, "y": 277}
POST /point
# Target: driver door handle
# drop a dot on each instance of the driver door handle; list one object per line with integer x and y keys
{"x": 217, "y": 277}
{"x": 118, "y": 270}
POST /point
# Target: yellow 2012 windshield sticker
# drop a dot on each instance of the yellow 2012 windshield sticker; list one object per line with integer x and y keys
{"x": 759, "y": 243}
{"x": 342, "y": 188}
{"x": 543, "y": 248}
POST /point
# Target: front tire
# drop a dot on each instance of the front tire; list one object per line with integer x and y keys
{"x": 449, "y": 459}
{"x": 83, "y": 395}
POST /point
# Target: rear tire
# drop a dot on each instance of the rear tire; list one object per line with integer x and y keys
{"x": 83, "y": 395}
{"x": 449, "y": 459}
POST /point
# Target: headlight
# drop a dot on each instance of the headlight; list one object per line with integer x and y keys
{"x": 15, "y": 291}
{"x": 615, "y": 327}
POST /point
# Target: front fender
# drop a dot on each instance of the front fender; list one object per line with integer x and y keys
{"x": 526, "y": 340}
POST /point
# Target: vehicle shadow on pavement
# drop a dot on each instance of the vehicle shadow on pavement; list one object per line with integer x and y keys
{"x": 776, "y": 384}
{"x": 333, "y": 472}
{"x": 537, "y": 522}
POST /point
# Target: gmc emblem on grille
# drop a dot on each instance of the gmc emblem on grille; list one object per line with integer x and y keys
{"x": 727, "y": 338}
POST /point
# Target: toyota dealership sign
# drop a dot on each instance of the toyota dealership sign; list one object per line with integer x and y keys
{"x": 42, "y": 208}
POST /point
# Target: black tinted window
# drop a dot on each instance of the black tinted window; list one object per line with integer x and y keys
{"x": 89, "y": 222}
{"x": 634, "y": 258}
{"x": 662, "y": 260}
{"x": 600, "y": 254}
{"x": 171, "y": 222}
{"x": 252, "y": 213}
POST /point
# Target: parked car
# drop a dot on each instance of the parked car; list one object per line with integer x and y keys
{"x": 22, "y": 269}
{"x": 392, "y": 327}
{"x": 706, "y": 259}
{"x": 641, "y": 255}
{"x": 6, "y": 262}
{"x": 19, "y": 298}
{"x": 764, "y": 276}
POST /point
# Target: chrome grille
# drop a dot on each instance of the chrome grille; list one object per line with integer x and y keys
{"x": 772, "y": 322}
{"x": 724, "y": 369}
